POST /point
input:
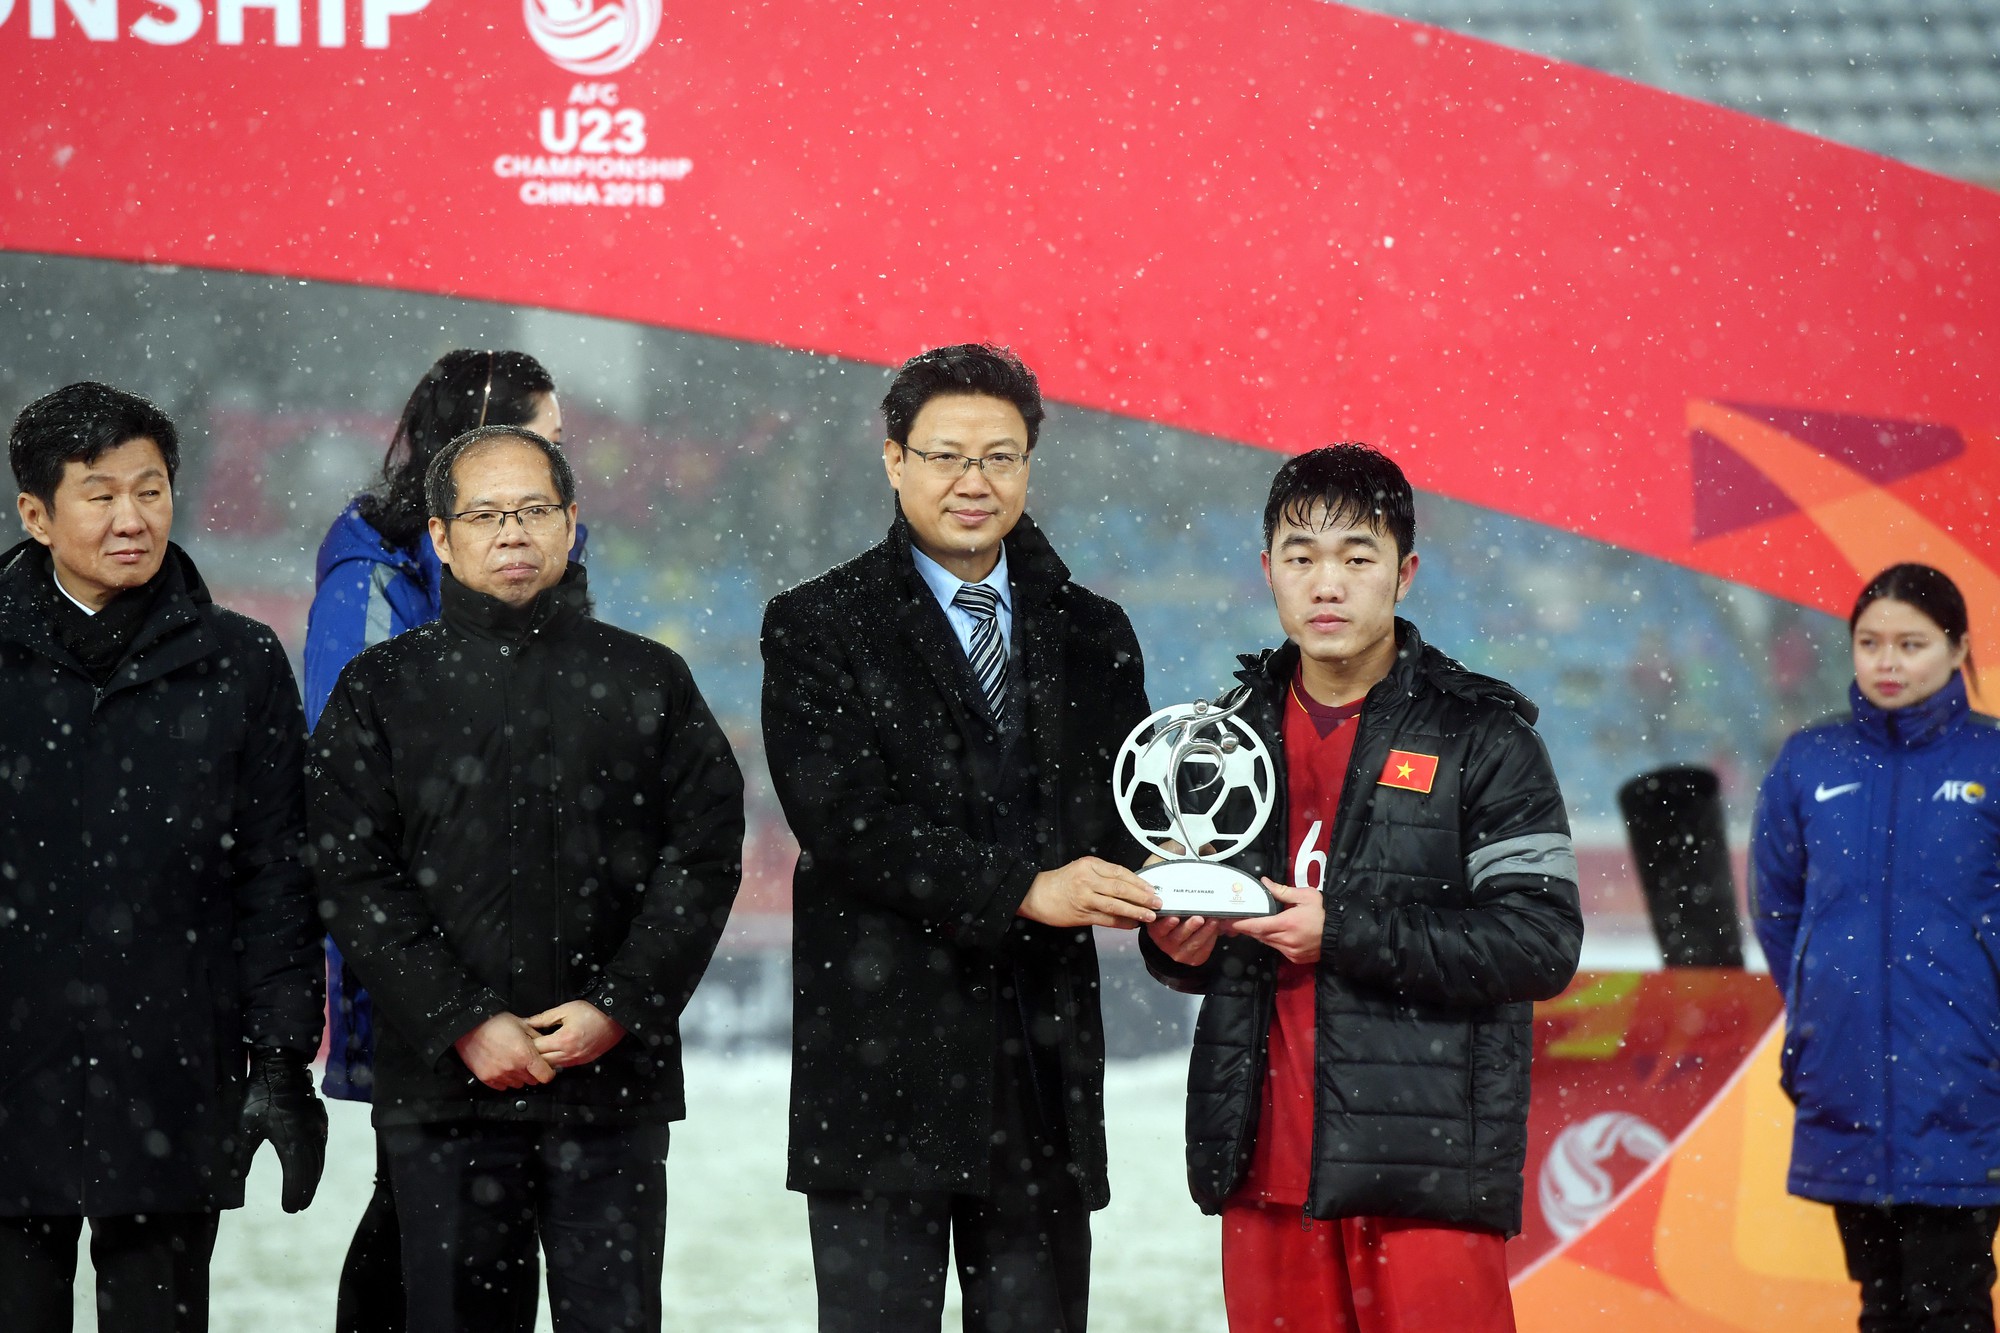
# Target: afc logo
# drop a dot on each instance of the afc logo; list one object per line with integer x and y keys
{"x": 592, "y": 37}
{"x": 1971, "y": 793}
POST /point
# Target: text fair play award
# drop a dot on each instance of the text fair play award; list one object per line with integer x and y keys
{"x": 1196, "y": 777}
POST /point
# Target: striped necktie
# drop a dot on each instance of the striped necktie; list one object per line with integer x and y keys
{"x": 988, "y": 654}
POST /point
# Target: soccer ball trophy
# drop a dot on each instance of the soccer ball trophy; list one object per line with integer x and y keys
{"x": 1195, "y": 784}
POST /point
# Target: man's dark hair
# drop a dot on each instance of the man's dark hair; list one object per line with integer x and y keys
{"x": 80, "y": 423}
{"x": 463, "y": 391}
{"x": 1355, "y": 483}
{"x": 963, "y": 368}
{"x": 441, "y": 488}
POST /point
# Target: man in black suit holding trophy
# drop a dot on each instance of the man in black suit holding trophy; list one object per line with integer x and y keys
{"x": 941, "y": 715}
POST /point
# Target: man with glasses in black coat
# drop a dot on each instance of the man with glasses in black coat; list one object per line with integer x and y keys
{"x": 941, "y": 716}
{"x": 528, "y": 832}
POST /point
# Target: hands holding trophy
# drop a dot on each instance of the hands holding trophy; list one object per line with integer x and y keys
{"x": 1195, "y": 785}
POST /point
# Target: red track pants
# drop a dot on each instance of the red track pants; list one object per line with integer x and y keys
{"x": 1360, "y": 1275}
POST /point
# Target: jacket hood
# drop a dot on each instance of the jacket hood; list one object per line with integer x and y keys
{"x": 1418, "y": 667}
{"x": 1919, "y": 724}
{"x": 353, "y": 537}
{"x": 487, "y": 617}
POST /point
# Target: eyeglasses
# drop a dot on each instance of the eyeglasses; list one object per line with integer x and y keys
{"x": 534, "y": 519}
{"x": 948, "y": 466}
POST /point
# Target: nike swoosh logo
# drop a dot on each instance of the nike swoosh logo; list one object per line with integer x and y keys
{"x": 1826, "y": 793}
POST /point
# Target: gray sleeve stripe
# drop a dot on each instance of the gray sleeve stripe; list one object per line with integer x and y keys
{"x": 376, "y": 628}
{"x": 1531, "y": 854}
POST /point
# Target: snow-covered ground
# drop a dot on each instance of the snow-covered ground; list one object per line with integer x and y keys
{"x": 737, "y": 1256}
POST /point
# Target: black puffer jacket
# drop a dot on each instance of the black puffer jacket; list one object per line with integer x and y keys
{"x": 1448, "y": 913}
{"x": 155, "y": 922}
{"x": 511, "y": 809}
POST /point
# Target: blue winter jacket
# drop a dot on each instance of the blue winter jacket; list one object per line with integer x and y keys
{"x": 1876, "y": 863}
{"x": 364, "y": 591}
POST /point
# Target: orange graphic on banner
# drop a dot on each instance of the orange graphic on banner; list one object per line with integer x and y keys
{"x": 1866, "y": 525}
{"x": 1411, "y": 772}
{"x": 1680, "y": 1223}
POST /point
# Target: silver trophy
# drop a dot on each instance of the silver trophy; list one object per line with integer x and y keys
{"x": 1195, "y": 784}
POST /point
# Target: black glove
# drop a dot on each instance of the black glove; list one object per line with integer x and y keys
{"x": 280, "y": 1106}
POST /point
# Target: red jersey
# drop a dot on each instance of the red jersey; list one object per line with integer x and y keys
{"x": 1319, "y": 741}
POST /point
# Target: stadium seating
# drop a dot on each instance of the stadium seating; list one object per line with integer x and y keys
{"x": 1916, "y": 80}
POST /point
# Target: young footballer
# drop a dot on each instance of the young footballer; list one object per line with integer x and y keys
{"x": 1358, "y": 1092}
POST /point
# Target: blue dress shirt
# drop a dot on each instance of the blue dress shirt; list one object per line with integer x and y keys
{"x": 944, "y": 585}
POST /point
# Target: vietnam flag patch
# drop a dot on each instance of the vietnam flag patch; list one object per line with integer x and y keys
{"x": 1409, "y": 771}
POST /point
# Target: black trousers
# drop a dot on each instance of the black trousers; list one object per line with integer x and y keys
{"x": 371, "y": 1280}
{"x": 475, "y": 1199}
{"x": 1023, "y": 1249}
{"x": 152, "y": 1272}
{"x": 1921, "y": 1269}
{"x": 1023, "y": 1259}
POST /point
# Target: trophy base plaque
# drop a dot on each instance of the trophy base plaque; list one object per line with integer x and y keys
{"x": 1190, "y": 887}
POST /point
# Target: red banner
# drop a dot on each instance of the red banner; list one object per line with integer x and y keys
{"x": 1549, "y": 291}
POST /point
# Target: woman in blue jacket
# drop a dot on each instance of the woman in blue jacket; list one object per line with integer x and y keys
{"x": 376, "y": 577}
{"x": 1877, "y": 870}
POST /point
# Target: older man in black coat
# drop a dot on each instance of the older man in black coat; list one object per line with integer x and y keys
{"x": 941, "y": 715}
{"x": 160, "y": 983}
{"x": 528, "y": 829}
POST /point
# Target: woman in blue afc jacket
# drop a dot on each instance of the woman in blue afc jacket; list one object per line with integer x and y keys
{"x": 1877, "y": 871}
{"x": 378, "y": 576}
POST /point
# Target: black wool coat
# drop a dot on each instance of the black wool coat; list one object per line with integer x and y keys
{"x": 511, "y": 809}
{"x": 905, "y": 894}
{"x": 155, "y": 922}
{"x": 1448, "y": 913}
